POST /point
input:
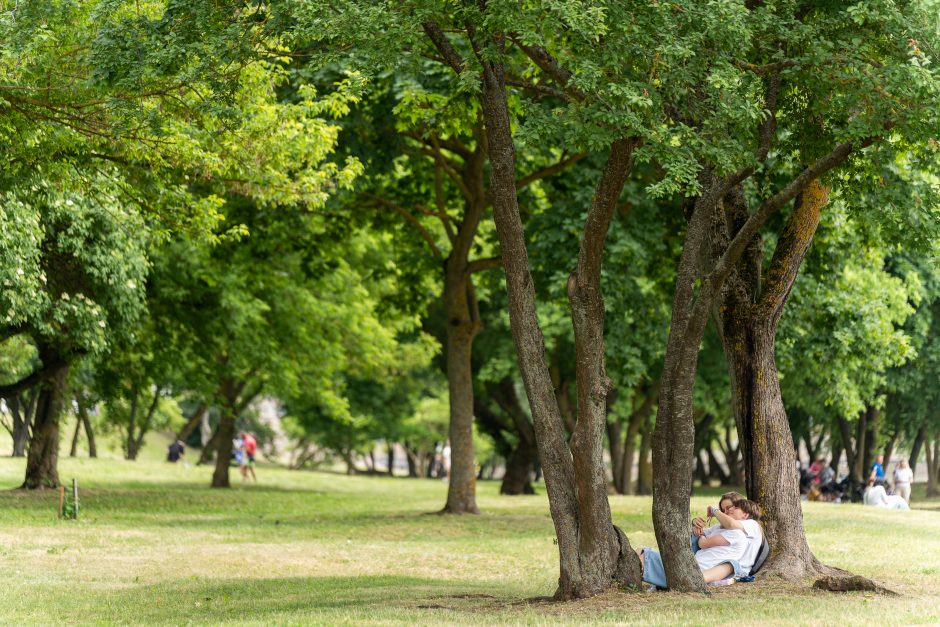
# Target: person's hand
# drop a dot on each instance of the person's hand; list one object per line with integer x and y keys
{"x": 698, "y": 525}
{"x": 698, "y": 531}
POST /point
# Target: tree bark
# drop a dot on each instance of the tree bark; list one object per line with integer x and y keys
{"x": 229, "y": 392}
{"x": 23, "y": 414}
{"x": 644, "y": 480}
{"x": 933, "y": 464}
{"x": 845, "y": 431}
{"x": 674, "y": 433}
{"x": 223, "y": 448}
{"x": 916, "y": 446}
{"x": 593, "y": 554}
{"x": 390, "y": 447}
{"x": 461, "y": 330}
{"x": 86, "y": 422}
{"x": 748, "y": 313}
{"x": 137, "y": 442}
{"x": 615, "y": 446}
{"x": 131, "y": 426}
{"x": 73, "y": 451}
{"x": 42, "y": 460}
{"x": 194, "y": 421}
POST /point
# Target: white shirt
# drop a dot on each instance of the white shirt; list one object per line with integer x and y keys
{"x": 876, "y": 496}
{"x": 755, "y": 537}
{"x": 903, "y": 476}
{"x": 743, "y": 546}
{"x": 737, "y": 543}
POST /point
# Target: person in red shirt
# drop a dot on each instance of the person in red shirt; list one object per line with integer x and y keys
{"x": 250, "y": 447}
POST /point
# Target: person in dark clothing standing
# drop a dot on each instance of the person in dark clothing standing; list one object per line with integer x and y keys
{"x": 175, "y": 451}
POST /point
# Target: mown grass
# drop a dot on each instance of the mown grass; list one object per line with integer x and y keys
{"x": 154, "y": 545}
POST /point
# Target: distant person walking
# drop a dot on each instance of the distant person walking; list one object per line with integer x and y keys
{"x": 249, "y": 449}
{"x": 878, "y": 469}
{"x": 903, "y": 478}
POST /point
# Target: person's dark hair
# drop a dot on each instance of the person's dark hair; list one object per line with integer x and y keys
{"x": 731, "y": 496}
{"x": 749, "y": 507}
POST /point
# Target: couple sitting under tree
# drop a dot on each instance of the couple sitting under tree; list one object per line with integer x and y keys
{"x": 725, "y": 551}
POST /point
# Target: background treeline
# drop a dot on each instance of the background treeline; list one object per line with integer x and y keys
{"x": 696, "y": 235}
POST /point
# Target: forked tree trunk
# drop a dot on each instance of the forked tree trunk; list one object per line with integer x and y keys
{"x": 136, "y": 441}
{"x": 43, "y": 458}
{"x": 748, "y": 313}
{"x": 194, "y": 421}
{"x": 593, "y": 554}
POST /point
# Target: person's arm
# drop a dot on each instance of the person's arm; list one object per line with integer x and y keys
{"x": 707, "y": 542}
{"x": 726, "y": 521}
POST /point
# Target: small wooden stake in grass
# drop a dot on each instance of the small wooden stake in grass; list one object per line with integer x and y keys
{"x": 75, "y": 498}
{"x": 61, "y": 499}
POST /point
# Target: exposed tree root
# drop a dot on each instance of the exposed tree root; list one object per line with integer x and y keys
{"x": 851, "y": 583}
{"x": 828, "y": 578}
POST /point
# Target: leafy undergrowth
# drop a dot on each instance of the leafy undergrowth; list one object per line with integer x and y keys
{"x": 155, "y": 545}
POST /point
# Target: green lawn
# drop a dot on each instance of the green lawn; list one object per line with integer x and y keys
{"x": 155, "y": 545}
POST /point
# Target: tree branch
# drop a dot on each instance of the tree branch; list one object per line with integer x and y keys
{"x": 548, "y": 64}
{"x": 478, "y": 265}
{"x": 792, "y": 246}
{"x": 443, "y": 45}
{"x": 413, "y": 220}
{"x": 33, "y": 378}
{"x": 549, "y": 170}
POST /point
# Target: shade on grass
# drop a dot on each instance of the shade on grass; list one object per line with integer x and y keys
{"x": 156, "y": 546}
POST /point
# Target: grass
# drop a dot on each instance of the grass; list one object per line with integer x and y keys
{"x": 155, "y": 545}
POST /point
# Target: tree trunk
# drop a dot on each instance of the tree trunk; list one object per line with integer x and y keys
{"x": 229, "y": 392}
{"x": 593, "y": 554}
{"x": 224, "y": 435}
{"x": 638, "y": 418}
{"x": 412, "y": 459}
{"x": 644, "y": 482}
{"x": 519, "y": 464}
{"x": 861, "y": 445}
{"x": 845, "y": 431}
{"x": 78, "y": 428}
{"x": 194, "y": 421}
{"x": 390, "y": 446}
{"x": 674, "y": 434}
{"x": 461, "y": 330}
{"x": 143, "y": 429}
{"x": 933, "y": 465}
{"x": 86, "y": 422}
{"x": 748, "y": 313}
{"x": 209, "y": 447}
{"x": 23, "y": 414}
{"x": 129, "y": 452}
{"x": 915, "y": 447}
{"x": 42, "y": 461}
{"x": 615, "y": 446}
